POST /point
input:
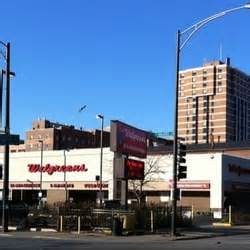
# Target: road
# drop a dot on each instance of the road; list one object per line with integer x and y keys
{"x": 54, "y": 241}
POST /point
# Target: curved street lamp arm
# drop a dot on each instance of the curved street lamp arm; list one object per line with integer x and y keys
{"x": 195, "y": 27}
{"x": 4, "y": 44}
{"x": 2, "y": 54}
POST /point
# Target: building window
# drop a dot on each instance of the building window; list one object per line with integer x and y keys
{"x": 187, "y": 119}
{"x": 204, "y": 91}
{"x": 193, "y": 86}
{"x": 219, "y": 83}
{"x": 182, "y": 75}
{"x": 204, "y": 78}
{"x": 204, "y": 84}
{"x": 193, "y": 92}
{"x": 219, "y": 76}
{"x": 193, "y": 118}
{"x": 219, "y": 70}
{"x": 204, "y": 72}
{"x": 212, "y": 103}
{"x": 187, "y": 132}
{"x": 219, "y": 89}
{"x": 194, "y": 73}
{"x": 193, "y": 138}
{"x": 193, "y": 79}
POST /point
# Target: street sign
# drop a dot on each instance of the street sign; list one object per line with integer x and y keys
{"x": 10, "y": 139}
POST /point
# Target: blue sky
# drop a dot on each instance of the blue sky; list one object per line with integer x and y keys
{"x": 115, "y": 56}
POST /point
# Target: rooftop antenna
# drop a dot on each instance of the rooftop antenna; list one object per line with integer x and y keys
{"x": 221, "y": 50}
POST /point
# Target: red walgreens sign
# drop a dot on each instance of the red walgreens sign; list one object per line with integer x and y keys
{"x": 128, "y": 140}
{"x": 134, "y": 169}
{"x": 50, "y": 169}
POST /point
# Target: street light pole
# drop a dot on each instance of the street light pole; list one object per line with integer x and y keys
{"x": 101, "y": 157}
{"x": 1, "y": 98}
{"x": 190, "y": 31}
{"x": 41, "y": 172}
{"x": 65, "y": 181}
{"x": 5, "y": 215}
{"x": 174, "y": 188}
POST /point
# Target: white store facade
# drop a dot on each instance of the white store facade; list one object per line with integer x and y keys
{"x": 211, "y": 177}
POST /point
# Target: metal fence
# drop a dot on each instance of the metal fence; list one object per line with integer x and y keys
{"x": 69, "y": 218}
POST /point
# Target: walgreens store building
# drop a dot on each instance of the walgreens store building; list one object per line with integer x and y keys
{"x": 214, "y": 180}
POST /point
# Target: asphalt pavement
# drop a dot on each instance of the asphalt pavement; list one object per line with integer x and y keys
{"x": 204, "y": 238}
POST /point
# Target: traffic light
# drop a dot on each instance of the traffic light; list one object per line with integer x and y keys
{"x": 181, "y": 154}
{"x": 1, "y": 172}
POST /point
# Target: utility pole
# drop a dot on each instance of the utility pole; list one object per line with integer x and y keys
{"x": 5, "y": 215}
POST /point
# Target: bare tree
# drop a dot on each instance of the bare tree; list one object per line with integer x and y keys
{"x": 153, "y": 171}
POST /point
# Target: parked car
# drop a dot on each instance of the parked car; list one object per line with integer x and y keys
{"x": 112, "y": 204}
{"x": 17, "y": 209}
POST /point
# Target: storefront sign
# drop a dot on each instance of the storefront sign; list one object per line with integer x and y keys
{"x": 50, "y": 169}
{"x": 61, "y": 185}
{"x": 128, "y": 140}
{"x": 191, "y": 185}
{"x": 134, "y": 169}
{"x": 95, "y": 185}
{"x": 24, "y": 185}
{"x": 238, "y": 169}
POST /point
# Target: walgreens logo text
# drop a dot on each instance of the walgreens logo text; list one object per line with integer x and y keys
{"x": 50, "y": 169}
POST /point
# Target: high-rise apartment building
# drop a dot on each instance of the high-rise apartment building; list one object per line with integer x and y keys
{"x": 214, "y": 104}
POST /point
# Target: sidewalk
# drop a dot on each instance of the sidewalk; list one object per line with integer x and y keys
{"x": 184, "y": 234}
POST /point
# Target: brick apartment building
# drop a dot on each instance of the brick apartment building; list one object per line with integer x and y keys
{"x": 55, "y": 136}
{"x": 214, "y": 104}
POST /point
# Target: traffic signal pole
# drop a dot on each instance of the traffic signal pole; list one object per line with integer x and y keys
{"x": 173, "y": 212}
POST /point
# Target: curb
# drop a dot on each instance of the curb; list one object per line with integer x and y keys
{"x": 220, "y": 224}
{"x": 48, "y": 230}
